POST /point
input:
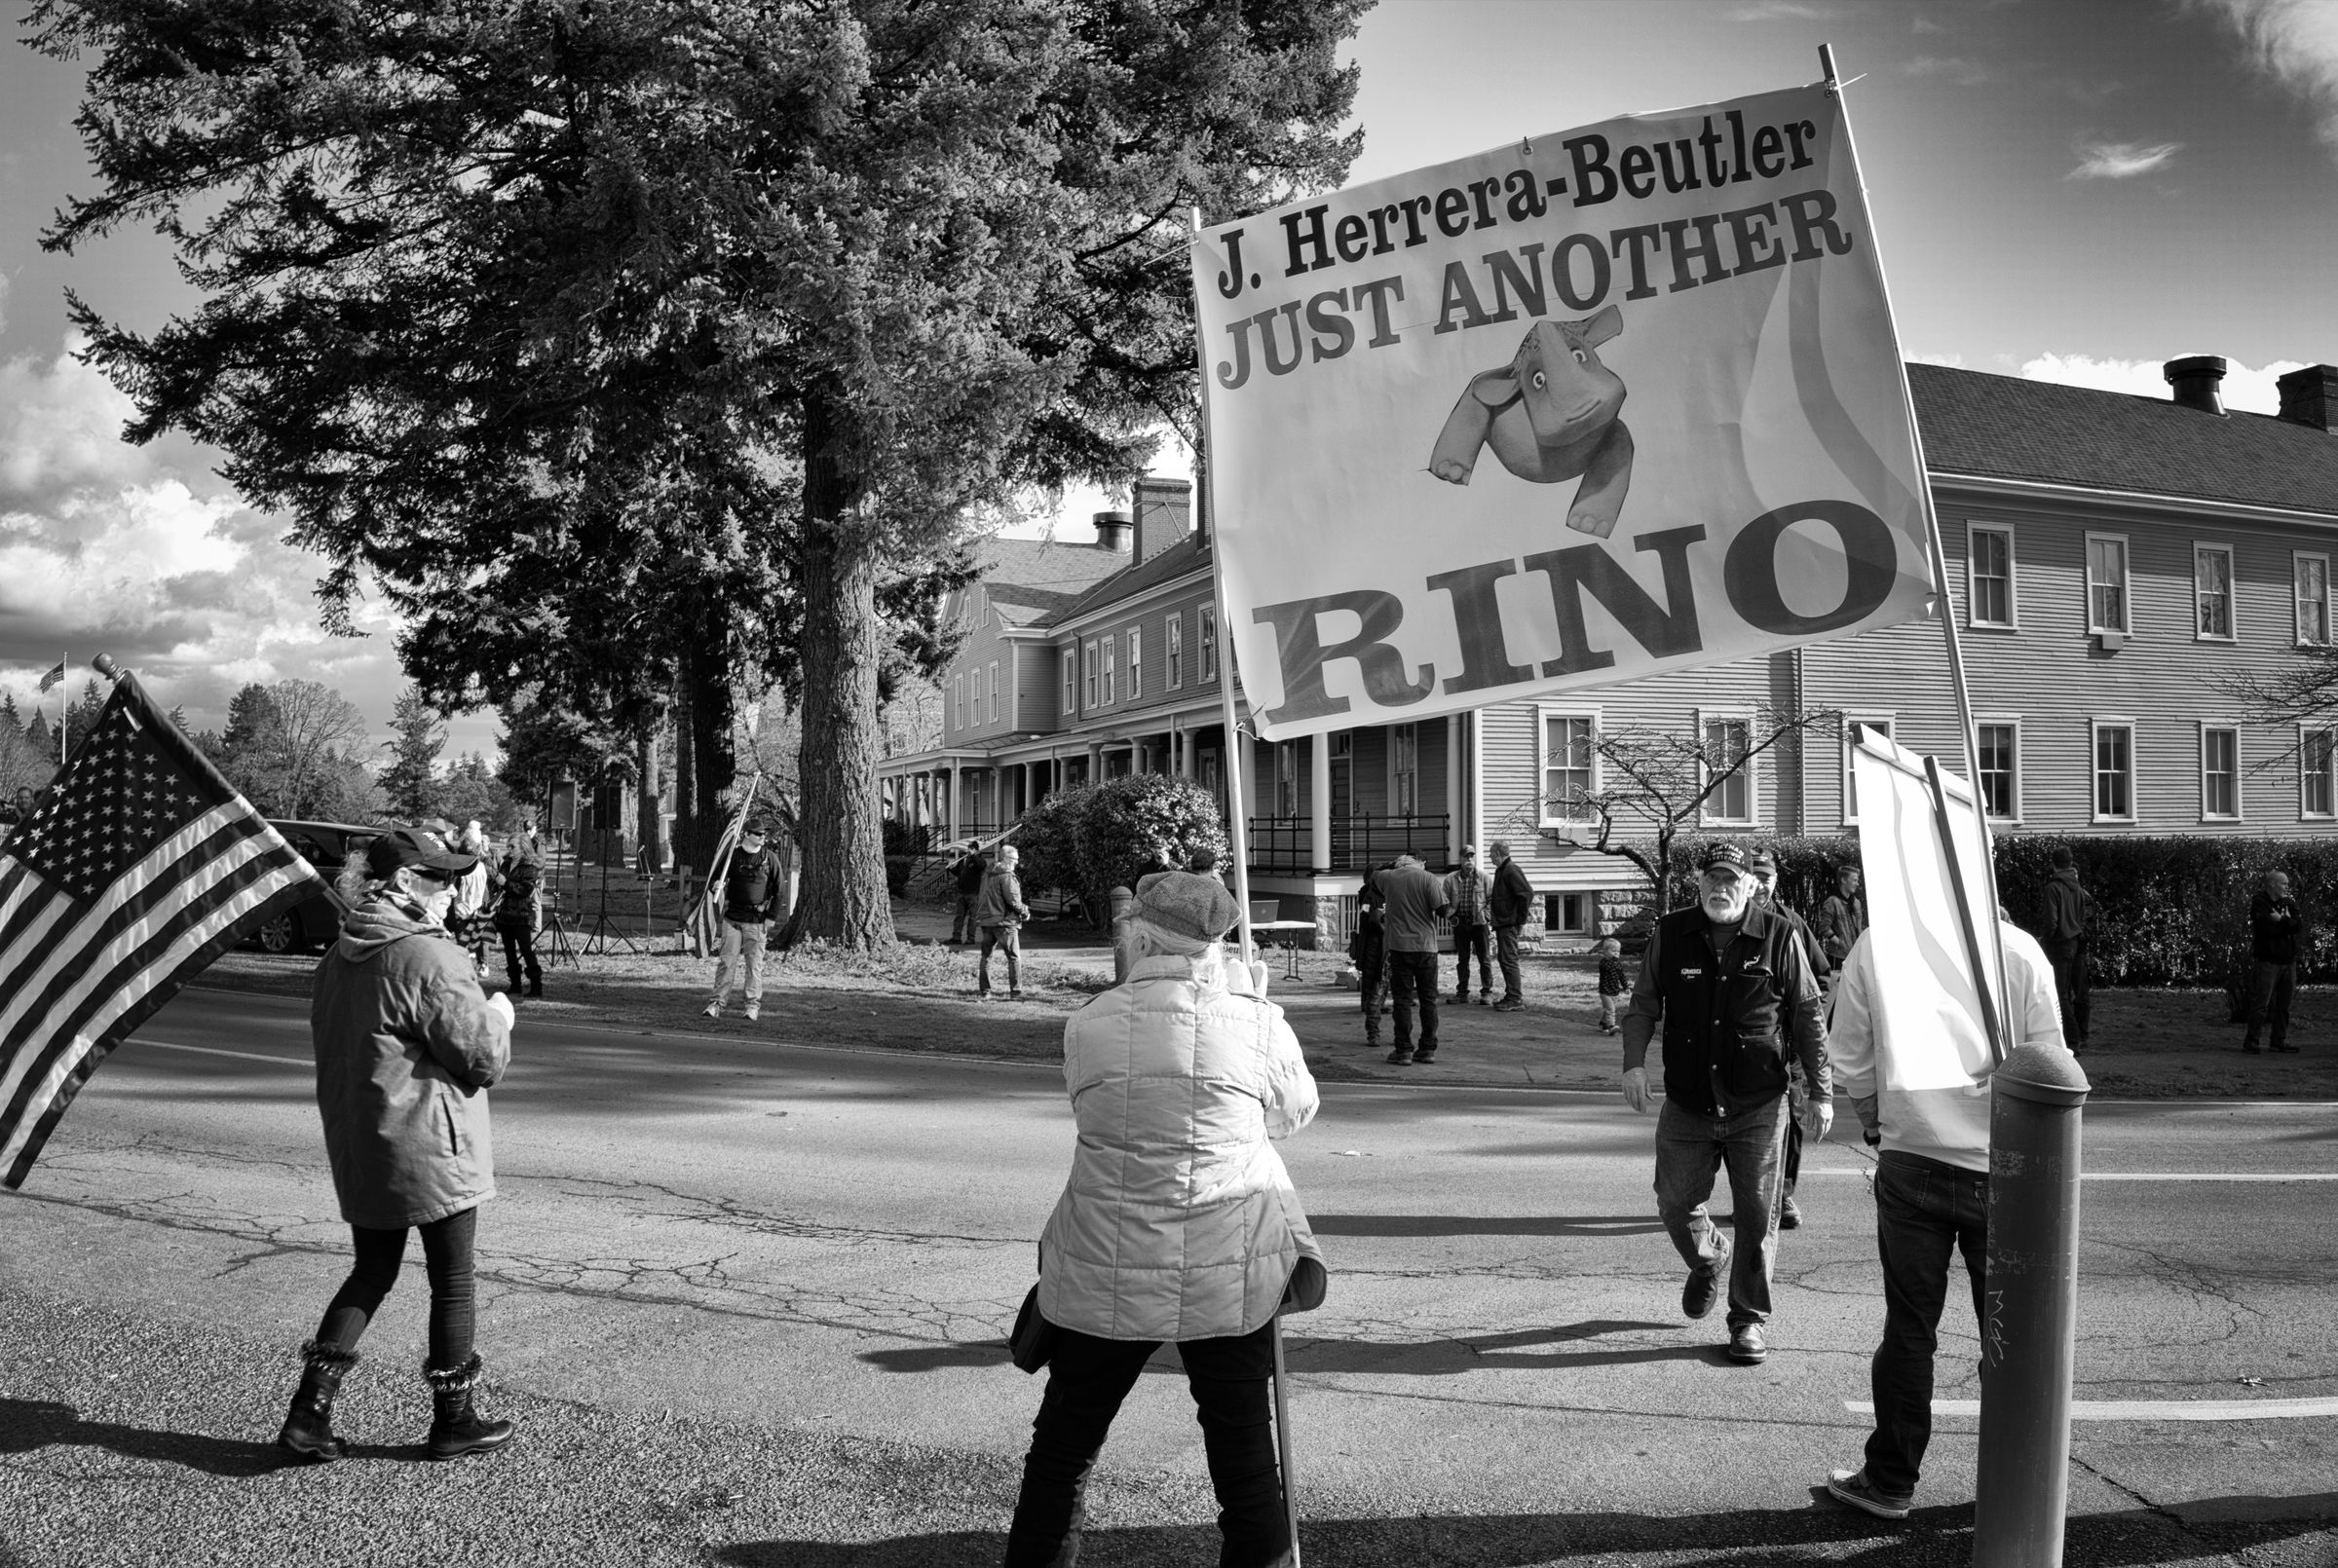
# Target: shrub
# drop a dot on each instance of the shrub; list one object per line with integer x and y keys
{"x": 1092, "y": 840}
{"x": 896, "y": 875}
{"x": 2167, "y": 910}
{"x": 1048, "y": 835}
{"x": 907, "y": 838}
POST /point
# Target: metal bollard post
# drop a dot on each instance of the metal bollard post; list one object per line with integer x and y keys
{"x": 1123, "y": 901}
{"x": 2028, "y": 1344}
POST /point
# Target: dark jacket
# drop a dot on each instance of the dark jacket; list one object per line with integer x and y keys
{"x": 972, "y": 870}
{"x": 1727, "y": 1019}
{"x": 1367, "y": 946}
{"x": 519, "y": 895}
{"x": 406, "y": 1046}
{"x": 2069, "y": 912}
{"x": 1840, "y": 922}
{"x": 2273, "y": 925}
{"x": 751, "y": 886}
{"x": 1513, "y": 897}
{"x": 1000, "y": 901}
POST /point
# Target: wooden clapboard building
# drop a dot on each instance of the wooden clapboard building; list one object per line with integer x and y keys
{"x": 2114, "y": 562}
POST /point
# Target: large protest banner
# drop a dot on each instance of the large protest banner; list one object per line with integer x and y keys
{"x": 1577, "y": 409}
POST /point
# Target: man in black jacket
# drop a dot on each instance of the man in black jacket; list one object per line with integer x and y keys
{"x": 971, "y": 867}
{"x": 2274, "y": 928}
{"x": 1508, "y": 904}
{"x": 1729, "y": 981}
{"x": 751, "y": 889}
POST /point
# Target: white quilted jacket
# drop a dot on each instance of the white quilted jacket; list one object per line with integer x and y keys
{"x": 1178, "y": 1221}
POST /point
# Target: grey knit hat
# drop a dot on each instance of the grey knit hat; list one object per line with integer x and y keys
{"x": 1191, "y": 906}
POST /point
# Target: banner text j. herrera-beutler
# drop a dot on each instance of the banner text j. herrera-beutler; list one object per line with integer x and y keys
{"x": 1586, "y": 407}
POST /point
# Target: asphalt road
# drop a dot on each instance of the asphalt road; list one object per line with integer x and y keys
{"x": 747, "y": 1298}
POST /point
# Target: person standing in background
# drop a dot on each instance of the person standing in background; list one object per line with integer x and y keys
{"x": 1413, "y": 901}
{"x": 1507, "y": 906}
{"x": 1473, "y": 930}
{"x": 2275, "y": 926}
{"x": 2069, "y": 925}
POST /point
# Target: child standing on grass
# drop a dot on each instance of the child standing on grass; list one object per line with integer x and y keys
{"x": 1614, "y": 984}
{"x": 1369, "y": 953}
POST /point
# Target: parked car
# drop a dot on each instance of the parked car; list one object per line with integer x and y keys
{"x": 316, "y": 919}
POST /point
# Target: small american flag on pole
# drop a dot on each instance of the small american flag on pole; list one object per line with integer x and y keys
{"x": 141, "y": 867}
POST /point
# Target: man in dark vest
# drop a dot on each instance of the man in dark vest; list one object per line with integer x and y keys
{"x": 1730, "y": 982}
{"x": 1764, "y": 866}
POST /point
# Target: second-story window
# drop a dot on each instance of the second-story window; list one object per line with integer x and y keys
{"x": 1111, "y": 683}
{"x": 1177, "y": 649}
{"x": 2312, "y": 600}
{"x": 958, "y": 702}
{"x": 2212, "y": 592}
{"x": 2106, "y": 583}
{"x": 994, "y": 691}
{"x": 1404, "y": 769}
{"x": 1088, "y": 665}
{"x": 1209, "y": 643}
{"x": 1135, "y": 663}
{"x": 1070, "y": 683}
{"x": 1992, "y": 579}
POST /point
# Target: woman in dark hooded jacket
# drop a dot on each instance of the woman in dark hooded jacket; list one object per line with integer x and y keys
{"x": 406, "y": 1044}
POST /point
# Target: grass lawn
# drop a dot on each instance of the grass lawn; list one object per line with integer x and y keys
{"x": 2149, "y": 1044}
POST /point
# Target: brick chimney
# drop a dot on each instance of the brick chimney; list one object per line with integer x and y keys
{"x": 2310, "y": 396}
{"x": 2196, "y": 380}
{"x": 1113, "y": 529}
{"x": 1164, "y": 514}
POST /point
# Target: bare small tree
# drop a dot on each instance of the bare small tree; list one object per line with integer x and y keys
{"x": 319, "y": 732}
{"x": 1655, "y": 781}
{"x": 2300, "y": 697}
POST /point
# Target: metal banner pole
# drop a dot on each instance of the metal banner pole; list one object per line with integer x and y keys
{"x": 1994, "y": 947}
{"x": 1238, "y": 826}
{"x": 1282, "y": 1441}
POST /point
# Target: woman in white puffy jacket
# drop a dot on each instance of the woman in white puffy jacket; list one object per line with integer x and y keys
{"x": 1179, "y": 1222}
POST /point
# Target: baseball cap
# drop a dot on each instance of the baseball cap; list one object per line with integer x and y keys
{"x": 1761, "y": 860}
{"x": 1469, "y": 848}
{"x": 1722, "y": 857}
{"x": 415, "y": 847}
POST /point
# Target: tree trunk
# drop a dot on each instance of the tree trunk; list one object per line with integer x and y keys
{"x": 702, "y": 759}
{"x": 649, "y": 799}
{"x": 843, "y": 898}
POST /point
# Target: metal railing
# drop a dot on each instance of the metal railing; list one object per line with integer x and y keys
{"x": 1358, "y": 843}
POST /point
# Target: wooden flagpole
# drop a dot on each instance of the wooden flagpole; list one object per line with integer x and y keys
{"x": 1993, "y": 986}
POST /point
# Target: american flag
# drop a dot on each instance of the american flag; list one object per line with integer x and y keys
{"x": 140, "y": 866}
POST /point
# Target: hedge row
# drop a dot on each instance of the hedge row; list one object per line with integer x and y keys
{"x": 2168, "y": 911}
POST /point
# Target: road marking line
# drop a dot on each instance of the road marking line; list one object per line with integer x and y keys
{"x": 214, "y": 1051}
{"x": 2150, "y": 1409}
{"x": 2157, "y": 1175}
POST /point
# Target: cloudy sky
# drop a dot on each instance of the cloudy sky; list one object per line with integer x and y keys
{"x": 2061, "y": 190}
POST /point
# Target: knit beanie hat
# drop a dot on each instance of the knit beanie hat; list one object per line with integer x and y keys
{"x": 1187, "y": 905}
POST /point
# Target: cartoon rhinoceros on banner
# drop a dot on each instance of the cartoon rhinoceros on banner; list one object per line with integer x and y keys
{"x": 1550, "y": 415}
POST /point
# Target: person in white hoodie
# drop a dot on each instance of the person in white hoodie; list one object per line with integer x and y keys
{"x": 1178, "y": 1222}
{"x": 1931, "y": 1191}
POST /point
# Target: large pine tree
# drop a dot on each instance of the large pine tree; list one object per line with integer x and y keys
{"x": 655, "y": 342}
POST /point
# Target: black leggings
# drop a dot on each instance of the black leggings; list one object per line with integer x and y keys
{"x": 454, "y": 1292}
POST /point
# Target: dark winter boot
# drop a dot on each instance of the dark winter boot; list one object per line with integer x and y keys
{"x": 309, "y": 1425}
{"x": 457, "y": 1430}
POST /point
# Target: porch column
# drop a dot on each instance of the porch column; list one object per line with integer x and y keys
{"x": 1454, "y": 837}
{"x": 1319, "y": 812}
{"x": 1181, "y": 740}
{"x": 956, "y": 789}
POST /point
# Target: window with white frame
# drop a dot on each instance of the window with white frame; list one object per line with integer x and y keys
{"x": 1286, "y": 778}
{"x": 2113, "y": 771}
{"x": 1136, "y": 662}
{"x": 2212, "y": 593}
{"x": 1087, "y": 672}
{"x": 958, "y": 702}
{"x": 1209, "y": 643}
{"x": 994, "y": 691}
{"x": 2317, "y": 773}
{"x": 2106, "y": 583}
{"x": 1726, "y": 744}
{"x": 1882, "y": 724}
{"x": 2219, "y": 772}
{"x": 1110, "y": 647}
{"x": 980, "y": 689}
{"x": 1989, "y": 576}
{"x": 1070, "y": 683}
{"x": 2313, "y": 599}
{"x": 2000, "y": 767}
{"x": 1177, "y": 649}
{"x": 1569, "y": 770}
{"x": 1404, "y": 769}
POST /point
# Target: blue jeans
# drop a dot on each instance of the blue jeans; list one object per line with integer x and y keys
{"x": 1088, "y": 1379}
{"x": 1469, "y": 939}
{"x": 1690, "y": 1147}
{"x": 1414, "y": 976}
{"x": 1925, "y": 1211}
{"x": 2269, "y": 988}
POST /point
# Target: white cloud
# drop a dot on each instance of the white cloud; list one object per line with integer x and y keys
{"x": 2295, "y": 42}
{"x": 2122, "y": 160}
{"x": 1781, "y": 11}
{"x": 2251, "y": 391}
{"x": 1954, "y": 362}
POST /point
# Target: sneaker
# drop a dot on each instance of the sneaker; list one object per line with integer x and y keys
{"x": 1460, "y": 998}
{"x": 1852, "y": 1486}
{"x": 2286, "y": 1050}
{"x": 1484, "y": 998}
{"x": 712, "y": 1009}
{"x": 754, "y": 1011}
{"x": 1703, "y": 1289}
{"x": 1423, "y": 1058}
{"x": 982, "y": 996}
{"x": 2253, "y": 1048}
{"x": 1745, "y": 1346}
{"x": 1789, "y": 1214}
{"x": 1014, "y": 995}
{"x": 1510, "y": 1004}
{"x": 1401, "y": 1056}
